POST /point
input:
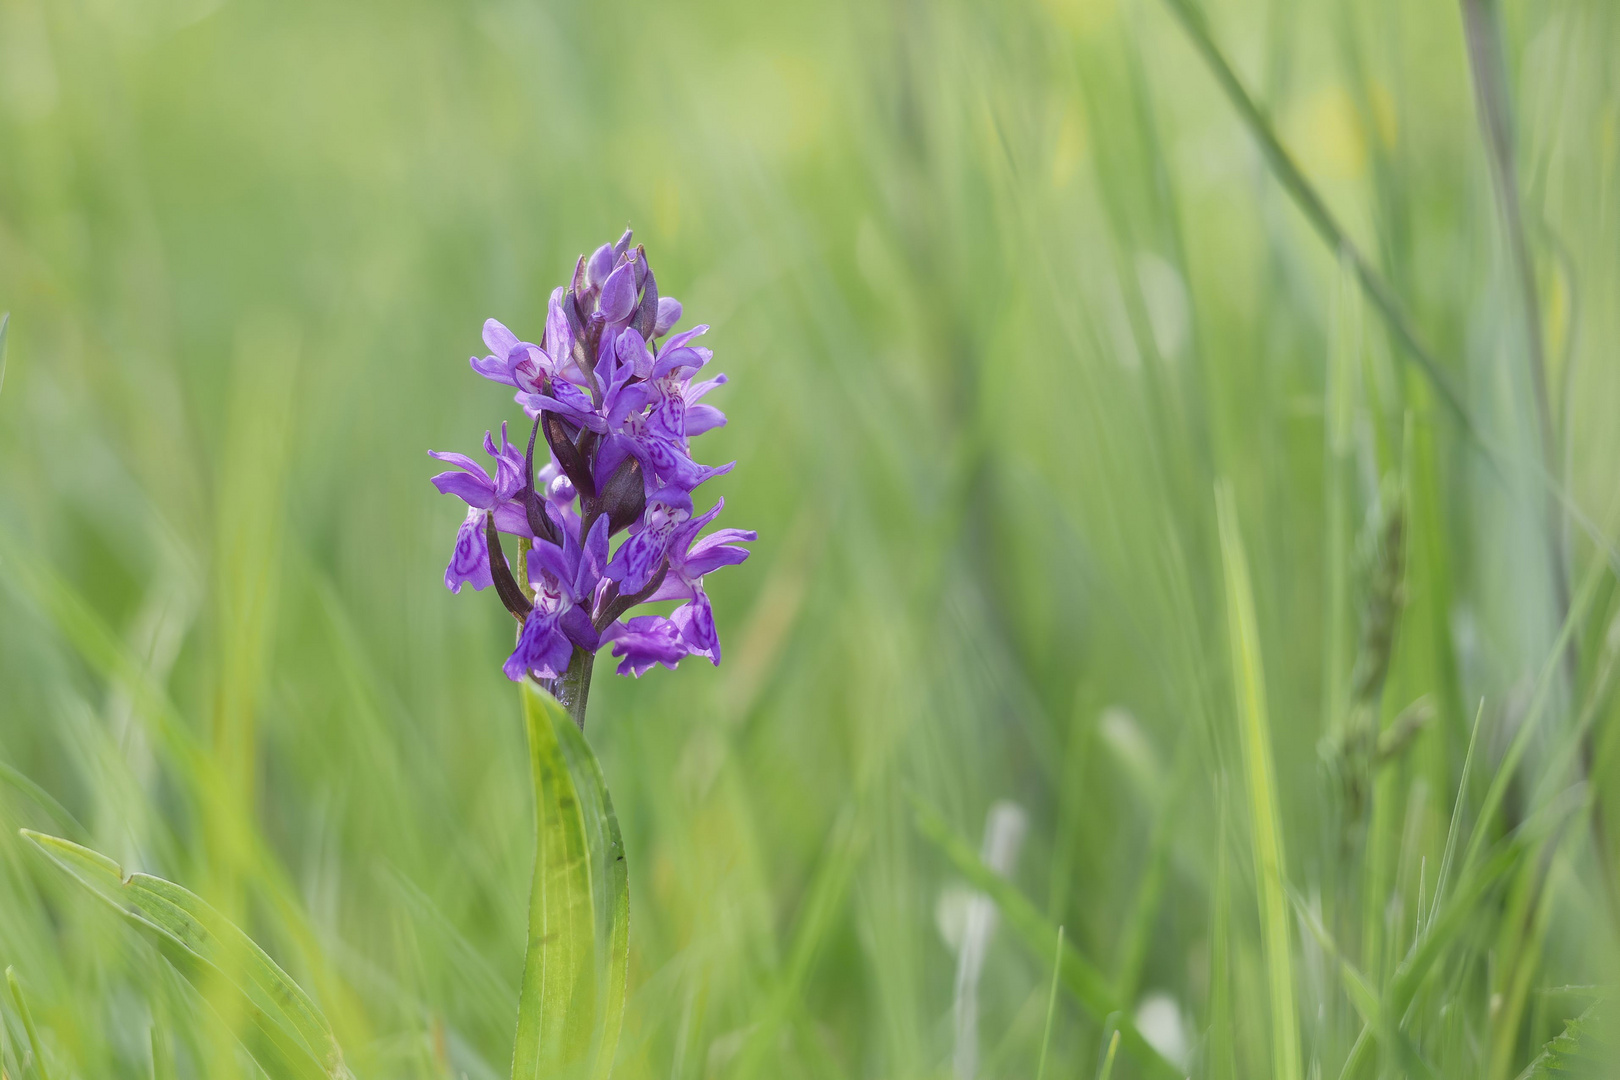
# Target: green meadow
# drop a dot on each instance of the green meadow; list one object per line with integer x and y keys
{"x": 1182, "y": 638}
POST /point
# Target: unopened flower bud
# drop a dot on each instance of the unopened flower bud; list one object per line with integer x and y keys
{"x": 619, "y": 294}
{"x": 600, "y": 266}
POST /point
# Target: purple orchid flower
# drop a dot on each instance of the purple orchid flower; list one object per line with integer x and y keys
{"x": 689, "y": 560}
{"x": 644, "y": 641}
{"x": 565, "y": 583}
{"x": 611, "y": 389}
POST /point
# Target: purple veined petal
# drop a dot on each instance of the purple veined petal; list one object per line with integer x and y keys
{"x": 550, "y": 568}
{"x": 668, "y": 418}
{"x": 696, "y": 623}
{"x": 619, "y": 294}
{"x": 498, "y": 339}
{"x": 541, "y": 648}
{"x": 469, "y": 561}
{"x": 473, "y": 489}
{"x": 644, "y": 641}
{"x": 492, "y": 368}
{"x": 600, "y": 265}
{"x": 703, "y": 418}
{"x": 637, "y": 559}
{"x": 666, "y": 462}
{"x": 682, "y": 538}
{"x": 669, "y": 313}
{"x": 623, "y": 244}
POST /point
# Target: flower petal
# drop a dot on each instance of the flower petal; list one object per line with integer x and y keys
{"x": 619, "y": 294}
{"x": 669, "y": 313}
{"x": 473, "y": 489}
{"x": 696, "y": 623}
{"x": 541, "y": 648}
{"x": 493, "y": 368}
{"x": 469, "y": 561}
{"x": 498, "y": 339}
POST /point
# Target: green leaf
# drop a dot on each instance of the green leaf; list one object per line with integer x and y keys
{"x": 571, "y": 1006}
{"x": 5, "y": 328}
{"x": 1585, "y": 1048}
{"x": 608, "y": 864}
{"x": 293, "y": 1037}
{"x": 20, "y": 999}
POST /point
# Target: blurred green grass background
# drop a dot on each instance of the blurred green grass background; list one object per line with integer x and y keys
{"x": 1006, "y": 293}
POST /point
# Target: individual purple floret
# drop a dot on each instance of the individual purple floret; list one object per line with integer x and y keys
{"x": 485, "y": 498}
{"x": 610, "y": 394}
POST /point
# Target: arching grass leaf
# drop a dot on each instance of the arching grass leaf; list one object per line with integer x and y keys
{"x": 292, "y": 1036}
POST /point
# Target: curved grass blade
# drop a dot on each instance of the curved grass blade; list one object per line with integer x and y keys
{"x": 19, "y": 999}
{"x": 559, "y": 967}
{"x": 5, "y": 327}
{"x": 211, "y": 951}
{"x": 16, "y": 778}
{"x": 1107, "y": 1069}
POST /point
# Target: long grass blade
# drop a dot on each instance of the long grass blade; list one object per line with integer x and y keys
{"x": 1107, "y": 1069}
{"x": 35, "y": 1048}
{"x": 1051, "y": 1007}
{"x": 1248, "y": 680}
{"x": 208, "y": 948}
{"x": 1315, "y": 209}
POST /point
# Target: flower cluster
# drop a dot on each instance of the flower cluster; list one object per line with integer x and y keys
{"x": 610, "y": 391}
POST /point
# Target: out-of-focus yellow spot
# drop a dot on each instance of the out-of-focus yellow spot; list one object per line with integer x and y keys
{"x": 1384, "y": 117}
{"x": 1328, "y": 135}
{"x": 1083, "y": 18}
{"x": 1557, "y": 315}
{"x": 1069, "y": 147}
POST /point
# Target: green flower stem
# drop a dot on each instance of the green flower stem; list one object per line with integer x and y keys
{"x": 574, "y": 688}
